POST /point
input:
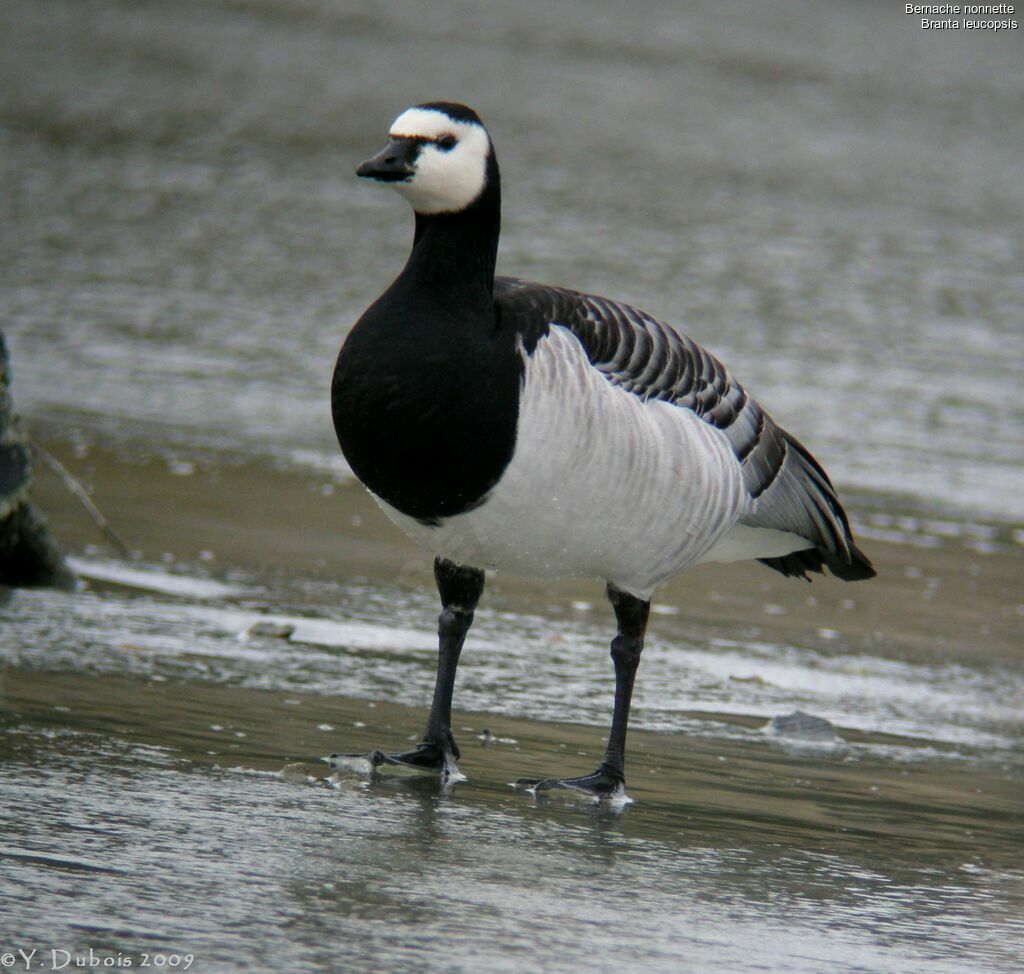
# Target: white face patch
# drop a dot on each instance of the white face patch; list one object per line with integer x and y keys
{"x": 445, "y": 180}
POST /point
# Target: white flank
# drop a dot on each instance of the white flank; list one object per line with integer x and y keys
{"x": 602, "y": 484}
{"x": 445, "y": 181}
{"x": 741, "y": 542}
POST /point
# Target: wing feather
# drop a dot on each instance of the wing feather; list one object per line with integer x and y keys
{"x": 788, "y": 489}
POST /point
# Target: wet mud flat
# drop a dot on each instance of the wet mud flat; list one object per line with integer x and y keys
{"x": 163, "y": 729}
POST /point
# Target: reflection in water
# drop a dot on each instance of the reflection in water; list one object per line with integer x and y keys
{"x": 302, "y": 877}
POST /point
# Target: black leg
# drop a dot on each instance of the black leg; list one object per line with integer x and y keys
{"x": 460, "y": 588}
{"x": 631, "y": 615}
{"x": 609, "y": 779}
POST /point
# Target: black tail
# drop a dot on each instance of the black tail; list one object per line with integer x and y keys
{"x": 799, "y": 563}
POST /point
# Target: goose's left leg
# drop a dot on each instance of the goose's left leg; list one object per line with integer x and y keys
{"x": 609, "y": 780}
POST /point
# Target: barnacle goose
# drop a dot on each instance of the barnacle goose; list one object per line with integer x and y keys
{"x": 532, "y": 429}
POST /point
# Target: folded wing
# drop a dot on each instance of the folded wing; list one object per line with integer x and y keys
{"x": 788, "y": 489}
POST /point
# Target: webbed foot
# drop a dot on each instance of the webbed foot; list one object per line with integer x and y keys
{"x": 604, "y": 784}
{"x": 433, "y": 757}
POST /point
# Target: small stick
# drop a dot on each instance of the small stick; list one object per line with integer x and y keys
{"x": 74, "y": 485}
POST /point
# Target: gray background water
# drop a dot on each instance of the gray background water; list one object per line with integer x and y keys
{"x": 828, "y": 197}
{"x": 824, "y": 194}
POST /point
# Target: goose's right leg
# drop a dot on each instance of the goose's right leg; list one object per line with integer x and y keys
{"x": 460, "y": 588}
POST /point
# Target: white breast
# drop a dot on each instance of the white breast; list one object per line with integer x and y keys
{"x": 602, "y": 484}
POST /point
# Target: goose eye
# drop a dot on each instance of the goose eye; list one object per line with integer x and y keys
{"x": 446, "y": 143}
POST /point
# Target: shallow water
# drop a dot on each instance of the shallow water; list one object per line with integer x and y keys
{"x": 288, "y": 874}
{"x": 735, "y": 848}
{"x": 825, "y": 196}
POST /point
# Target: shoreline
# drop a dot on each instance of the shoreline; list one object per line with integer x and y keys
{"x": 946, "y": 594}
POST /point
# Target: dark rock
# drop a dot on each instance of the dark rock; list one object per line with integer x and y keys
{"x": 28, "y": 555}
{"x": 801, "y": 726}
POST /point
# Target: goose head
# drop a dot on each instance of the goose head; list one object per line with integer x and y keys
{"x": 439, "y": 157}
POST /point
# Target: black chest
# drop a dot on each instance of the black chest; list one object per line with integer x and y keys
{"x": 425, "y": 403}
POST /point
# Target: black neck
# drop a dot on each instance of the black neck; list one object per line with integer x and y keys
{"x": 454, "y": 254}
